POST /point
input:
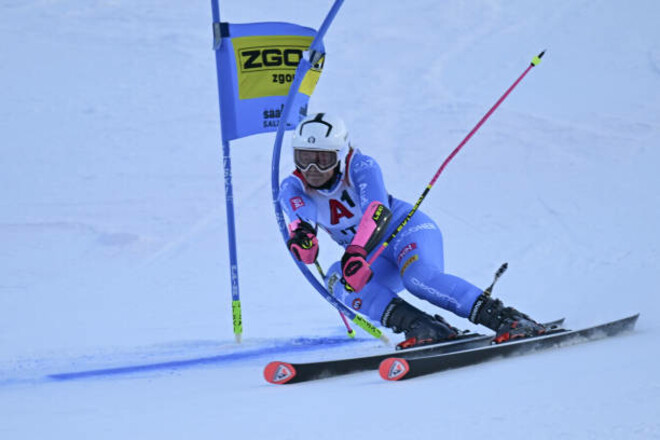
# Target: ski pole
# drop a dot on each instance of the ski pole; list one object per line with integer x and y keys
{"x": 535, "y": 61}
{"x": 498, "y": 274}
{"x": 351, "y": 332}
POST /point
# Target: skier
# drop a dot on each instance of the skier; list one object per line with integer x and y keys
{"x": 341, "y": 190}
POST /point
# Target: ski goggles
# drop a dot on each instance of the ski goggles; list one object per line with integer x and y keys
{"x": 324, "y": 160}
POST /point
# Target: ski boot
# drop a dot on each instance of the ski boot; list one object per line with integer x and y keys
{"x": 419, "y": 327}
{"x": 508, "y": 323}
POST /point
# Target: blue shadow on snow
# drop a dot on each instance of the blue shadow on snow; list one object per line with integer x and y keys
{"x": 296, "y": 345}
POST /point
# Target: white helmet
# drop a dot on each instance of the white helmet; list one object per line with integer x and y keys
{"x": 322, "y": 132}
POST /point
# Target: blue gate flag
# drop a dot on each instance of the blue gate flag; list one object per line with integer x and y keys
{"x": 256, "y": 65}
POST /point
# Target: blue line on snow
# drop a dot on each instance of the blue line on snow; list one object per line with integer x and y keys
{"x": 297, "y": 345}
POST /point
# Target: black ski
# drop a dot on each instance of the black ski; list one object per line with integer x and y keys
{"x": 399, "y": 368}
{"x": 280, "y": 373}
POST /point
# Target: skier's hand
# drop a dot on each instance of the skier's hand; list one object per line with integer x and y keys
{"x": 355, "y": 268}
{"x": 302, "y": 242}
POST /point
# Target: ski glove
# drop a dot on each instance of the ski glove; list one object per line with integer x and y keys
{"x": 355, "y": 268}
{"x": 302, "y": 242}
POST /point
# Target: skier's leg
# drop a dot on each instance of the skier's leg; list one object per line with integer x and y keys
{"x": 379, "y": 301}
{"x": 418, "y": 253}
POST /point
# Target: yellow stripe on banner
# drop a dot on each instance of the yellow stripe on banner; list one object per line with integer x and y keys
{"x": 266, "y": 65}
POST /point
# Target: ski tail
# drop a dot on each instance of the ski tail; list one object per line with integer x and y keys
{"x": 393, "y": 369}
{"x": 278, "y": 372}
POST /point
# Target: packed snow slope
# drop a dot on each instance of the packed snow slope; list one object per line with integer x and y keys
{"x": 113, "y": 247}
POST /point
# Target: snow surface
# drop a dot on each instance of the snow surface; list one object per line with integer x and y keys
{"x": 113, "y": 253}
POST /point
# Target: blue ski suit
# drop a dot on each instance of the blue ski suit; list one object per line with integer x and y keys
{"x": 413, "y": 260}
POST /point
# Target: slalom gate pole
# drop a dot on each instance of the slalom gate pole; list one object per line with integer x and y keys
{"x": 237, "y": 318}
{"x": 304, "y": 65}
{"x": 535, "y": 61}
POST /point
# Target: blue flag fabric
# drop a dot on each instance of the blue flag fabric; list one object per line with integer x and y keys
{"x": 256, "y": 65}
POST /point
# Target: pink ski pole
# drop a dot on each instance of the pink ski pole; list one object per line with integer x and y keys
{"x": 535, "y": 61}
{"x": 349, "y": 330}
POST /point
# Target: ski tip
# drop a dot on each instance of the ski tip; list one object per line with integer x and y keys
{"x": 393, "y": 369}
{"x": 279, "y": 373}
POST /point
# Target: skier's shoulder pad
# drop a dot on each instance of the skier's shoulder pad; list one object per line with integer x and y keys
{"x": 292, "y": 183}
{"x": 360, "y": 162}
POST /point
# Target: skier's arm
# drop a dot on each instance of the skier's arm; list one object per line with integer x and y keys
{"x": 367, "y": 176}
{"x": 301, "y": 211}
{"x": 373, "y": 224}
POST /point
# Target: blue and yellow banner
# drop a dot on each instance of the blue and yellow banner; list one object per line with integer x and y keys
{"x": 256, "y": 66}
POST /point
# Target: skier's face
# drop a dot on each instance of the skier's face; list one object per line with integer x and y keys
{"x": 322, "y": 159}
{"x": 317, "y": 178}
{"x": 317, "y": 166}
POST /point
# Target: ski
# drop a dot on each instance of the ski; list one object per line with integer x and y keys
{"x": 400, "y": 368}
{"x": 280, "y": 373}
